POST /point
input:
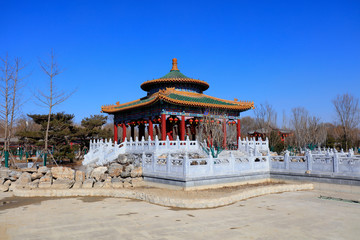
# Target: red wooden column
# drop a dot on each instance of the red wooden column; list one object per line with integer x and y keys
{"x": 124, "y": 132}
{"x": 238, "y": 131}
{"x": 132, "y": 128}
{"x": 182, "y": 128}
{"x": 163, "y": 127}
{"x": 151, "y": 129}
{"x": 115, "y": 133}
{"x": 224, "y": 131}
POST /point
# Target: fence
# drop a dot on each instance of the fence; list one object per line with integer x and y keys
{"x": 182, "y": 167}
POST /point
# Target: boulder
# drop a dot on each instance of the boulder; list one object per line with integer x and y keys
{"x": 115, "y": 169}
{"x": 79, "y": 176}
{"x": 107, "y": 183}
{"x": 46, "y": 178}
{"x": 36, "y": 175}
{"x": 4, "y": 172}
{"x": 43, "y": 169}
{"x": 63, "y": 173}
{"x": 24, "y": 179}
{"x": 63, "y": 183}
{"x": 88, "y": 171}
{"x": 88, "y": 183}
{"x": 99, "y": 184}
{"x": 29, "y": 170}
{"x": 127, "y": 185}
{"x": 4, "y": 188}
{"x": 44, "y": 184}
{"x": 99, "y": 173}
{"x": 136, "y": 172}
{"x": 34, "y": 184}
{"x": 128, "y": 179}
{"x": 137, "y": 182}
{"x": 77, "y": 185}
{"x": 117, "y": 183}
{"x": 7, "y": 183}
{"x": 122, "y": 159}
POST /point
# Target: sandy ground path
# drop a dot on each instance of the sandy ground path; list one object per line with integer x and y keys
{"x": 291, "y": 215}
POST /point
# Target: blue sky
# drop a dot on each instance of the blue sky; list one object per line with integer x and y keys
{"x": 288, "y": 53}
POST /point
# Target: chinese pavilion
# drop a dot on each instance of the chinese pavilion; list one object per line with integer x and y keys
{"x": 174, "y": 106}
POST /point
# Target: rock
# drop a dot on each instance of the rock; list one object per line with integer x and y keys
{"x": 79, "y": 176}
{"x": 128, "y": 179}
{"x": 44, "y": 184}
{"x": 2, "y": 180}
{"x": 47, "y": 177}
{"x": 137, "y": 172}
{"x": 115, "y": 169}
{"x": 88, "y": 171}
{"x": 107, "y": 183}
{"x": 98, "y": 184}
{"x": 88, "y": 183}
{"x": 29, "y": 170}
{"x": 7, "y": 183}
{"x": 117, "y": 183}
{"x": 99, "y": 173}
{"x": 308, "y": 172}
{"x": 129, "y": 168}
{"x": 4, "y": 188}
{"x": 122, "y": 159}
{"x": 4, "y": 172}
{"x": 63, "y": 183}
{"x": 127, "y": 185}
{"x": 24, "y": 179}
{"x": 63, "y": 173}
{"x": 126, "y": 173}
{"x": 77, "y": 185}
{"x": 15, "y": 174}
{"x": 43, "y": 169}
{"x": 34, "y": 184}
{"x": 137, "y": 182}
{"x": 36, "y": 175}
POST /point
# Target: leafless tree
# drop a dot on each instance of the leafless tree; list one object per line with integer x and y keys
{"x": 347, "y": 114}
{"x": 11, "y": 79}
{"x": 307, "y": 129}
{"x": 247, "y": 125}
{"x": 265, "y": 117}
{"x": 53, "y": 97}
{"x": 211, "y": 131}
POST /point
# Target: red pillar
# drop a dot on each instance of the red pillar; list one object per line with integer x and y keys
{"x": 238, "y": 131}
{"x": 182, "y": 128}
{"x": 151, "y": 129}
{"x": 115, "y": 133}
{"x": 163, "y": 127}
{"x": 224, "y": 131}
{"x": 124, "y": 131}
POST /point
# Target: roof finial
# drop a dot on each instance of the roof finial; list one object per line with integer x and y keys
{"x": 174, "y": 65}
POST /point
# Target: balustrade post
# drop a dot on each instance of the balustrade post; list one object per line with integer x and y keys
{"x": 168, "y": 164}
{"x": 232, "y": 162}
{"x": 143, "y": 156}
{"x": 178, "y": 142}
{"x": 186, "y": 165}
{"x": 287, "y": 160}
{"x": 156, "y": 143}
{"x": 211, "y": 165}
{"x": 309, "y": 160}
{"x": 335, "y": 159}
{"x": 154, "y": 160}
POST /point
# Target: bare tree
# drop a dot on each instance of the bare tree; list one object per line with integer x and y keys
{"x": 10, "y": 90}
{"x": 53, "y": 97}
{"x": 307, "y": 129}
{"x": 347, "y": 114}
{"x": 265, "y": 117}
{"x": 211, "y": 131}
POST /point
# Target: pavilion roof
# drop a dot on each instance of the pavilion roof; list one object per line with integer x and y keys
{"x": 182, "y": 98}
